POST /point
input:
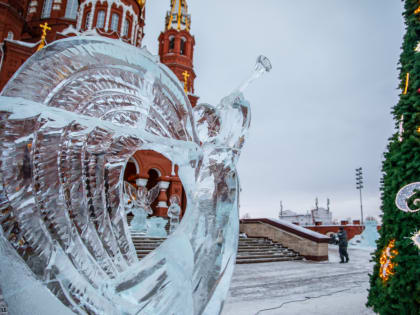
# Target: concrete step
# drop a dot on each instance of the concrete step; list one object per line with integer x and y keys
{"x": 264, "y": 253}
{"x": 266, "y": 256}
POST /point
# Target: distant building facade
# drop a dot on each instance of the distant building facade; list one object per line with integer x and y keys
{"x": 319, "y": 216}
{"x": 320, "y": 220}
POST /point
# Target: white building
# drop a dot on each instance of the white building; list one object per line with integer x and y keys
{"x": 317, "y": 216}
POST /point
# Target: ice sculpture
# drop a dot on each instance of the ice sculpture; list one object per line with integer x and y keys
{"x": 174, "y": 211}
{"x": 368, "y": 237}
{"x": 141, "y": 199}
{"x": 71, "y": 117}
{"x": 156, "y": 227}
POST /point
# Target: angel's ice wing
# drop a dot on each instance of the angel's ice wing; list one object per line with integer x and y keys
{"x": 152, "y": 194}
{"x": 130, "y": 190}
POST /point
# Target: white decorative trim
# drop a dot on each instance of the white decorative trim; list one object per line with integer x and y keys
{"x": 164, "y": 185}
{"x": 80, "y": 17}
{"x": 127, "y": 8}
{"x": 133, "y": 27}
{"x": 173, "y": 169}
{"x": 92, "y": 15}
{"x": 141, "y": 182}
{"x": 136, "y": 34}
{"x": 107, "y": 18}
{"x": 123, "y": 22}
{"x": 162, "y": 204}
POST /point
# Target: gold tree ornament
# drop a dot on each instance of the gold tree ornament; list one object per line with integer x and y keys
{"x": 387, "y": 265}
{"x": 407, "y": 81}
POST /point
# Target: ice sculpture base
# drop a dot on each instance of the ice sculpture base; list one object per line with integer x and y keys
{"x": 156, "y": 227}
{"x": 138, "y": 224}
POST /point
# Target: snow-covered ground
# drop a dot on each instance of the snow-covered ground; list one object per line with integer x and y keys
{"x": 302, "y": 287}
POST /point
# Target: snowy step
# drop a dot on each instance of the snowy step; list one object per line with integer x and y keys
{"x": 266, "y": 256}
{"x": 265, "y": 253}
{"x": 257, "y": 247}
{"x": 279, "y": 249}
{"x": 140, "y": 242}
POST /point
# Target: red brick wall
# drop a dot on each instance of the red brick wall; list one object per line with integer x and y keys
{"x": 352, "y": 230}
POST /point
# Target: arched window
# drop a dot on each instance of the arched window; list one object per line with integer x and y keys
{"x": 101, "y": 19}
{"x": 10, "y": 35}
{"x": 71, "y": 9}
{"x": 183, "y": 45}
{"x": 46, "y": 9}
{"x": 87, "y": 20}
{"x": 171, "y": 43}
{"x": 115, "y": 21}
{"x": 126, "y": 27}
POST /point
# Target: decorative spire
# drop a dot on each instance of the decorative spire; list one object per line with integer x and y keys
{"x": 141, "y": 3}
{"x": 178, "y": 17}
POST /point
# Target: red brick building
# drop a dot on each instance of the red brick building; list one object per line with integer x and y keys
{"x": 21, "y": 27}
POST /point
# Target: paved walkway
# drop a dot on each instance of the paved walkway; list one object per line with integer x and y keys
{"x": 302, "y": 287}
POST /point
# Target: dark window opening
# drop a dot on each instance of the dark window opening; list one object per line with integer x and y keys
{"x": 183, "y": 44}
{"x": 171, "y": 44}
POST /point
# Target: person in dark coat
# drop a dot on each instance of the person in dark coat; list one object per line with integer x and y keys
{"x": 342, "y": 245}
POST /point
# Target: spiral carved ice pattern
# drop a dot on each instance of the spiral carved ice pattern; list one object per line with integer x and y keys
{"x": 71, "y": 117}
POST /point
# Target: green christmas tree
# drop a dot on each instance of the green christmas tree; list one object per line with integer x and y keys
{"x": 399, "y": 291}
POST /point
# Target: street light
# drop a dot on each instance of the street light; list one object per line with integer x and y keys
{"x": 359, "y": 185}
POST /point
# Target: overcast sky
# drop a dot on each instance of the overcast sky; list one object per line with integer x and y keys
{"x": 322, "y": 111}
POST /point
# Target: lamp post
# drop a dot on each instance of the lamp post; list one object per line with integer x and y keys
{"x": 359, "y": 185}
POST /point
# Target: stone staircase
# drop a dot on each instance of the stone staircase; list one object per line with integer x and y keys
{"x": 250, "y": 250}
{"x": 144, "y": 245}
{"x": 260, "y": 250}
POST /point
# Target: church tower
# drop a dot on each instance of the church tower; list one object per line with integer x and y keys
{"x": 176, "y": 46}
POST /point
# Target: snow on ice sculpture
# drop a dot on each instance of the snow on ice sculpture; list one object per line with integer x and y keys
{"x": 71, "y": 117}
{"x": 174, "y": 211}
{"x": 141, "y": 199}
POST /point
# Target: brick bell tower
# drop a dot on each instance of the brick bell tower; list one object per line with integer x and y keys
{"x": 176, "y": 46}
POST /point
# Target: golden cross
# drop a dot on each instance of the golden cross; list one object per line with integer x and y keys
{"x": 186, "y": 76}
{"x": 45, "y": 28}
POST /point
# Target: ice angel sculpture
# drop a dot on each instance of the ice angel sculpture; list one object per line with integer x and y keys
{"x": 141, "y": 199}
{"x": 71, "y": 117}
{"x": 174, "y": 211}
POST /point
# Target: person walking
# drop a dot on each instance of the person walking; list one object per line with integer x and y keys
{"x": 342, "y": 245}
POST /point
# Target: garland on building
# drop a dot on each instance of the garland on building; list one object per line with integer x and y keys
{"x": 395, "y": 288}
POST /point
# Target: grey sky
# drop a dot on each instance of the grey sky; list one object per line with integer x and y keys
{"x": 325, "y": 107}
